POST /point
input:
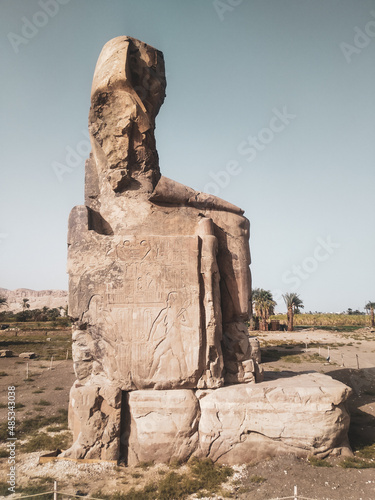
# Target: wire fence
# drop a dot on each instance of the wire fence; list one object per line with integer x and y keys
{"x": 337, "y": 356}
{"x": 63, "y": 494}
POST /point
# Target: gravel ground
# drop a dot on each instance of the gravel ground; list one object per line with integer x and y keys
{"x": 265, "y": 480}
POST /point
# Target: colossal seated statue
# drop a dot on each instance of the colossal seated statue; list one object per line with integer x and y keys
{"x": 159, "y": 291}
{"x": 159, "y": 273}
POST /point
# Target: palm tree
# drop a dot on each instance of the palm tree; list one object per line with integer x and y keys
{"x": 370, "y": 306}
{"x": 294, "y": 304}
{"x": 263, "y": 305}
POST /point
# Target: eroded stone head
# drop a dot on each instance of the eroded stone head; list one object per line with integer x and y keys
{"x": 127, "y": 92}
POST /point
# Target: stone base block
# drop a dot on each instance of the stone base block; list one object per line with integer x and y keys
{"x": 302, "y": 414}
{"x": 94, "y": 417}
{"x": 164, "y": 425}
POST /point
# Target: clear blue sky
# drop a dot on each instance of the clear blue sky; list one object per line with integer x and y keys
{"x": 305, "y": 180}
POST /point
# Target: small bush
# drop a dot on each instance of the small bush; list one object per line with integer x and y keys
{"x": 174, "y": 463}
{"x": 43, "y": 402}
{"x": 4, "y": 489}
{"x": 145, "y": 465}
{"x": 30, "y": 425}
{"x": 4, "y": 453}
{"x": 205, "y": 475}
{"x": 319, "y": 462}
{"x": 367, "y": 452}
{"x": 58, "y": 388}
{"x": 3, "y": 374}
{"x": 356, "y": 463}
{"x": 292, "y": 358}
{"x": 39, "y": 487}
{"x": 257, "y": 479}
{"x": 3, "y": 431}
{"x": 43, "y": 441}
{"x": 210, "y": 475}
{"x": 38, "y": 391}
{"x": 57, "y": 428}
{"x": 315, "y": 358}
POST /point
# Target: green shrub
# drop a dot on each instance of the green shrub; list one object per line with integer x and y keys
{"x": 43, "y": 402}
{"x": 257, "y": 479}
{"x": 4, "y": 489}
{"x": 292, "y": 358}
{"x": 210, "y": 475}
{"x": 145, "y": 465}
{"x": 43, "y": 441}
{"x": 30, "y": 425}
{"x": 319, "y": 462}
{"x": 356, "y": 463}
{"x": 367, "y": 452}
{"x": 204, "y": 476}
{"x": 3, "y": 431}
{"x": 57, "y": 428}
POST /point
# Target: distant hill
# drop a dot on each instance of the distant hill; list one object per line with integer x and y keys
{"x": 37, "y": 298}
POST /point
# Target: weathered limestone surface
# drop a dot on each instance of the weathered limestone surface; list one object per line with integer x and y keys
{"x": 159, "y": 273}
{"x": 304, "y": 414}
{"x": 159, "y": 290}
{"x": 164, "y": 425}
{"x": 95, "y": 419}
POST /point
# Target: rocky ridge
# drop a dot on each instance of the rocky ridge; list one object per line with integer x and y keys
{"x": 37, "y": 298}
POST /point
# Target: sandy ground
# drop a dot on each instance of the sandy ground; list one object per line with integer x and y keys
{"x": 278, "y": 476}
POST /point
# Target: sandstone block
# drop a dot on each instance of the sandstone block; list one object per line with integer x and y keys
{"x": 27, "y": 355}
{"x": 303, "y": 414}
{"x": 6, "y": 353}
{"x": 164, "y": 425}
{"x": 95, "y": 419}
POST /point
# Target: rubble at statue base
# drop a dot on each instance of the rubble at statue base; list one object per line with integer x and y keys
{"x": 159, "y": 291}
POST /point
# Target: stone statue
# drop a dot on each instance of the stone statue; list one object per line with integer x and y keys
{"x": 159, "y": 279}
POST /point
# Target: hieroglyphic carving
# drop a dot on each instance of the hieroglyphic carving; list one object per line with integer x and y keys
{"x": 152, "y": 316}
